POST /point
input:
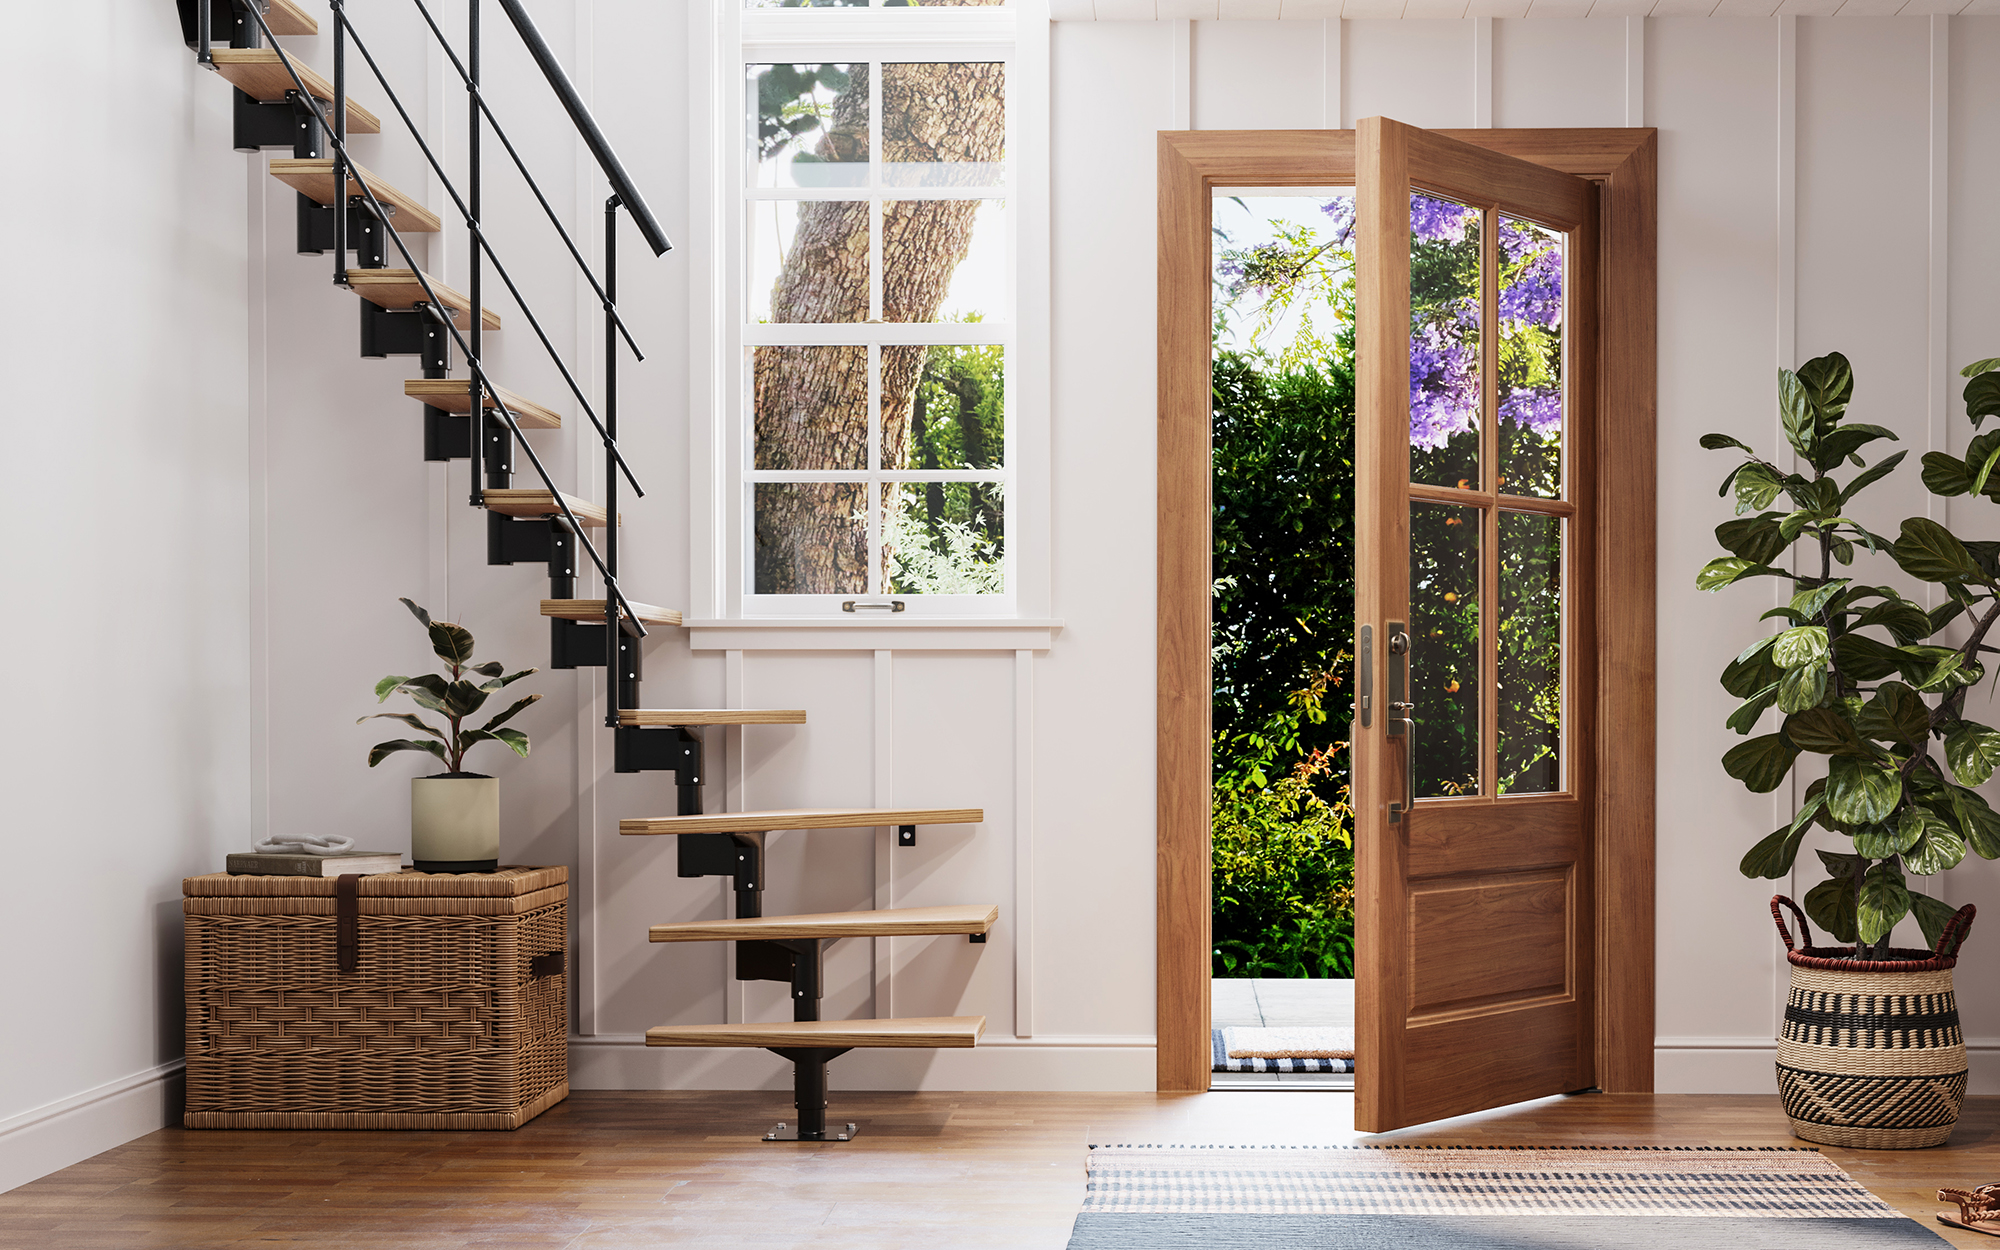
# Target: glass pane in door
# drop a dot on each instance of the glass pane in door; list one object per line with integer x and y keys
{"x": 1531, "y": 359}
{"x": 1530, "y": 642}
{"x": 1444, "y": 646}
{"x": 1445, "y": 357}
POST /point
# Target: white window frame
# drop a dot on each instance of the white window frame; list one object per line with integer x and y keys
{"x": 721, "y": 477}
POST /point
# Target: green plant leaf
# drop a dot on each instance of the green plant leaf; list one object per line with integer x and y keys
{"x": 492, "y": 668}
{"x": 1978, "y": 367}
{"x": 1972, "y": 750}
{"x": 1982, "y": 397}
{"x": 1831, "y": 906}
{"x": 1716, "y": 442}
{"x": 1908, "y": 622}
{"x": 1772, "y": 857}
{"x": 1754, "y": 538}
{"x": 1869, "y": 477}
{"x": 1839, "y": 444}
{"x": 1859, "y": 792}
{"x": 1949, "y": 673}
{"x": 1829, "y": 384}
{"x": 1753, "y": 670}
{"x": 1802, "y": 688}
{"x": 386, "y": 687}
{"x": 1757, "y": 485}
{"x": 1823, "y": 730}
{"x": 1982, "y": 468}
{"x": 1761, "y": 763}
{"x": 1880, "y": 841}
{"x": 1795, "y": 410}
{"x": 1862, "y": 658}
{"x": 462, "y": 699}
{"x": 1930, "y": 552}
{"x": 1932, "y": 916}
{"x": 499, "y": 681}
{"x": 1944, "y": 614}
{"x": 1841, "y": 864}
{"x": 1730, "y": 569}
{"x": 452, "y": 643}
{"x": 1895, "y": 714}
{"x": 412, "y": 721}
{"x": 1800, "y": 646}
{"x": 416, "y": 611}
{"x": 383, "y": 750}
{"x": 1884, "y": 901}
{"x": 1940, "y": 850}
{"x": 1946, "y": 474}
{"x": 1745, "y": 717}
{"x": 1810, "y": 604}
{"x": 428, "y": 689}
{"x": 508, "y": 715}
{"x": 1977, "y": 822}
{"x": 515, "y": 739}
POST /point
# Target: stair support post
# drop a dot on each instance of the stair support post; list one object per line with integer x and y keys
{"x": 809, "y": 1093}
{"x": 340, "y": 142}
{"x": 737, "y": 855}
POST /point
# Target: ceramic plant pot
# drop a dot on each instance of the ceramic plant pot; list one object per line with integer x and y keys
{"x": 455, "y": 823}
{"x": 1872, "y": 1054}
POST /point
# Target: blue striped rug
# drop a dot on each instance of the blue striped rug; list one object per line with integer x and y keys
{"x": 1452, "y": 1198}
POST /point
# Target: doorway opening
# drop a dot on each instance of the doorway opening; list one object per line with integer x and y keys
{"x": 1281, "y": 630}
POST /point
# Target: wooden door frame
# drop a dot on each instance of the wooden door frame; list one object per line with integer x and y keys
{"x": 1191, "y": 165}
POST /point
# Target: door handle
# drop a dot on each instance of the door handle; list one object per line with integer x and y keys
{"x": 1401, "y": 722}
{"x": 1404, "y": 713}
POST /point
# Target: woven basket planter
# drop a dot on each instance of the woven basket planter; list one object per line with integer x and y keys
{"x": 398, "y": 1001}
{"x": 1872, "y": 1054}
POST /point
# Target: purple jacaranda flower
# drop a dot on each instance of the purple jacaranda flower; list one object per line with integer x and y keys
{"x": 1537, "y": 408}
{"x": 1439, "y": 221}
{"x": 1341, "y": 211}
{"x": 1534, "y": 292}
{"x": 1444, "y": 382}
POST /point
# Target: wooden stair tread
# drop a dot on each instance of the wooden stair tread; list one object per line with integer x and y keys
{"x": 802, "y": 818}
{"x": 399, "y": 288}
{"x": 314, "y": 180}
{"x": 676, "y": 717}
{"x": 455, "y": 395}
{"x": 593, "y": 609}
{"x": 260, "y": 73}
{"x": 287, "y": 18}
{"x": 917, "y": 1033}
{"x": 900, "y": 922}
{"x": 541, "y": 503}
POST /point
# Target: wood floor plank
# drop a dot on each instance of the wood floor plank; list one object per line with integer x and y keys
{"x": 612, "y": 1169}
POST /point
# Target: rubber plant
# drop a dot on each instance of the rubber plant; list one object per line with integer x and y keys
{"x": 1854, "y": 671}
{"x": 455, "y": 696}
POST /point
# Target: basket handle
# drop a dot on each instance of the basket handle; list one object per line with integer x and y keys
{"x": 1955, "y": 931}
{"x": 1805, "y": 933}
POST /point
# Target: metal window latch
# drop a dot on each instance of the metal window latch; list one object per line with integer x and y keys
{"x": 853, "y": 605}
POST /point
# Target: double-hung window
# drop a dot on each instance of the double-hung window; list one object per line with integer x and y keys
{"x": 868, "y": 442}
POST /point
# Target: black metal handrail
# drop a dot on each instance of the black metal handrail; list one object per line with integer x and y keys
{"x": 479, "y": 235}
{"x": 441, "y": 312}
{"x": 586, "y": 125}
{"x": 500, "y": 132}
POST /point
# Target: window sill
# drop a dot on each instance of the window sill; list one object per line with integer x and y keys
{"x": 962, "y": 633}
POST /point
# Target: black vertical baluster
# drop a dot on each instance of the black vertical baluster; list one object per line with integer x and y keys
{"x": 611, "y": 617}
{"x": 205, "y": 33}
{"x": 472, "y": 229}
{"x": 340, "y": 144}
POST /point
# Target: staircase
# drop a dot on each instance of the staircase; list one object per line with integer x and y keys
{"x": 361, "y": 219}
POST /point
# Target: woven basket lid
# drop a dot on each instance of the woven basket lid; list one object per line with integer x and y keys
{"x": 510, "y": 881}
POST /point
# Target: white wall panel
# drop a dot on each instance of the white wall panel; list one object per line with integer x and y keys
{"x": 1257, "y": 75}
{"x": 1559, "y": 72}
{"x": 1416, "y": 72}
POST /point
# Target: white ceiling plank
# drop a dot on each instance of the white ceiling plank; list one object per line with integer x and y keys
{"x": 1917, "y": 8}
{"x": 1745, "y": 8}
{"x": 1434, "y": 8}
{"x": 1497, "y": 8}
{"x": 1682, "y": 8}
{"x": 1981, "y": 8}
{"x": 1188, "y": 10}
{"x": 1251, "y": 10}
{"x": 1309, "y": 10}
{"x": 1371, "y": 8}
{"x": 1809, "y": 8}
{"x": 1559, "y": 8}
{"x": 1071, "y": 11}
{"x": 1125, "y": 10}
{"x": 1871, "y": 8}
{"x": 1621, "y": 8}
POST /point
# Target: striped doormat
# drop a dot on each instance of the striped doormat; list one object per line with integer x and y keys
{"x": 1219, "y": 1049}
{"x": 1490, "y": 1198}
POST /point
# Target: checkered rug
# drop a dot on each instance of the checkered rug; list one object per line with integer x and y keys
{"x": 1450, "y": 1198}
{"x": 1223, "y": 1063}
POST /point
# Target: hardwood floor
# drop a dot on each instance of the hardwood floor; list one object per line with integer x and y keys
{"x": 611, "y": 1170}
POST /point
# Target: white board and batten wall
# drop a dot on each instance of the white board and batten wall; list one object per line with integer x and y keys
{"x": 259, "y": 493}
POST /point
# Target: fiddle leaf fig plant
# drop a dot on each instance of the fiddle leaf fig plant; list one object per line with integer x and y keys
{"x": 455, "y": 696}
{"x": 1854, "y": 671}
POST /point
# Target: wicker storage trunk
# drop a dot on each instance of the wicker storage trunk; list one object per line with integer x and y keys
{"x": 1872, "y": 1054}
{"x": 452, "y": 1013}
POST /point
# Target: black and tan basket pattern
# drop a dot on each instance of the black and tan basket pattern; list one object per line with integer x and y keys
{"x": 448, "y": 1021}
{"x": 1872, "y": 1053}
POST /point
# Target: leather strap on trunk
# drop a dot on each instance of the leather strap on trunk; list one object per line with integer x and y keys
{"x": 347, "y": 920}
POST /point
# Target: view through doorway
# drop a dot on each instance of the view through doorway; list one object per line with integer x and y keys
{"x": 1282, "y": 497}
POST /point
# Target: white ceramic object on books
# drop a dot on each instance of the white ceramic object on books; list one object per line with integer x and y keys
{"x": 455, "y": 823}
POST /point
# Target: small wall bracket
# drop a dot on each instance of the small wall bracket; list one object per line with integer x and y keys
{"x": 906, "y": 835}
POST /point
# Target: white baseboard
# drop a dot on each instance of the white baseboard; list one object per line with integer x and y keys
{"x": 50, "y": 1138}
{"x": 1055, "y": 1064}
{"x": 1743, "y": 1065}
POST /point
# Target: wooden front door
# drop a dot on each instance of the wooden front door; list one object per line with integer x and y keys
{"x": 1476, "y": 315}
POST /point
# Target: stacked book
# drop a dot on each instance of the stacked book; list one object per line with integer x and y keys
{"x": 362, "y": 862}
